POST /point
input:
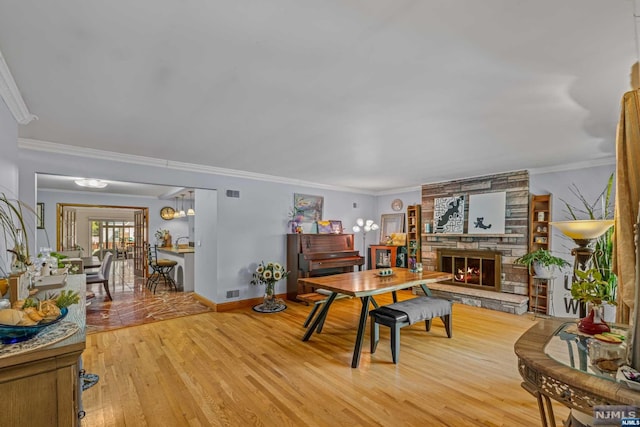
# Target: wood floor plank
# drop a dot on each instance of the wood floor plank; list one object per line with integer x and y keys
{"x": 243, "y": 368}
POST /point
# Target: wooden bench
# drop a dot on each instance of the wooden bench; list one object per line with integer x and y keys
{"x": 405, "y": 313}
{"x": 316, "y": 298}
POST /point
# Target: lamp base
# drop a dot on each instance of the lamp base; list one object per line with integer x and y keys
{"x": 593, "y": 323}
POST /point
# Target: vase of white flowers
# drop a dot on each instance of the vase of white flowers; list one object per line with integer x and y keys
{"x": 268, "y": 274}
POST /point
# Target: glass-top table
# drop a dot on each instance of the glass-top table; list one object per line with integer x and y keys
{"x": 571, "y": 348}
{"x": 553, "y": 360}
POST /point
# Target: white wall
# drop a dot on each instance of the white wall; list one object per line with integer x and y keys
{"x": 383, "y": 204}
{"x": 591, "y": 182}
{"x": 249, "y": 229}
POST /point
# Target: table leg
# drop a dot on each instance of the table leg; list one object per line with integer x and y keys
{"x": 319, "y": 320}
{"x": 364, "y": 313}
{"x": 425, "y": 289}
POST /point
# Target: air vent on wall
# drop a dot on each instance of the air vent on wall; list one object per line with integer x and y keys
{"x": 233, "y": 193}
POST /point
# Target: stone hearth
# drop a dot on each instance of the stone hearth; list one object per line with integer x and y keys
{"x": 500, "y": 301}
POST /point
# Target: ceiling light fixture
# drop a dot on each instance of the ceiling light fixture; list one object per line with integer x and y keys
{"x": 190, "y": 211}
{"x": 182, "y": 213}
{"x": 91, "y": 183}
{"x": 176, "y": 214}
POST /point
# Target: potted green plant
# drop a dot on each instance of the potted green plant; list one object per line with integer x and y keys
{"x": 13, "y": 229}
{"x": 592, "y": 288}
{"x": 600, "y": 208}
{"x": 541, "y": 263}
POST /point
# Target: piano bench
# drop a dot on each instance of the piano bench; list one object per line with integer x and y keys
{"x": 317, "y": 299}
{"x": 397, "y": 316}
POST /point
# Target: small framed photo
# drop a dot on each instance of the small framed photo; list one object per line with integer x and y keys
{"x": 324, "y": 227}
{"x": 336, "y": 226}
{"x": 40, "y": 216}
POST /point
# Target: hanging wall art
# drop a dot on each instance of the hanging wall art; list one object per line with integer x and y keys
{"x": 448, "y": 214}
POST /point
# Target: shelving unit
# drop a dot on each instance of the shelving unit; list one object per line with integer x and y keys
{"x": 384, "y": 256}
{"x": 539, "y": 238}
{"x": 414, "y": 227}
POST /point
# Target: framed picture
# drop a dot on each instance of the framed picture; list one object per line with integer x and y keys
{"x": 487, "y": 213}
{"x": 336, "y": 226}
{"x": 40, "y": 215}
{"x": 391, "y": 224}
{"x": 324, "y": 227}
{"x": 308, "y": 208}
{"x": 448, "y": 214}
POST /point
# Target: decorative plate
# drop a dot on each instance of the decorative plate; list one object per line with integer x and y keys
{"x": 11, "y": 334}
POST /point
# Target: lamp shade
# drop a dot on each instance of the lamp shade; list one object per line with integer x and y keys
{"x": 356, "y": 228}
{"x": 360, "y": 222}
{"x": 583, "y": 229}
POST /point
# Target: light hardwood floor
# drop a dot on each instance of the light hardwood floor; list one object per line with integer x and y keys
{"x": 244, "y": 368}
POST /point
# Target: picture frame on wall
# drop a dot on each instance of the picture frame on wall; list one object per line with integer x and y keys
{"x": 308, "y": 207}
{"x": 40, "y": 216}
{"x": 448, "y": 214}
{"x": 487, "y": 213}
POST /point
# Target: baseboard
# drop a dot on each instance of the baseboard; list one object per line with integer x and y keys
{"x": 233, "y": 305}
{"x": 212, "y": 305}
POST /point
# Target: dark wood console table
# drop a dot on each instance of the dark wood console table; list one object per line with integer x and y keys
{"x": 553, "y": 369}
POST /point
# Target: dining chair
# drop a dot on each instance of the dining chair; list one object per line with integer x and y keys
{"x": 103, "y": 275}
{"x": 162, "y": 268}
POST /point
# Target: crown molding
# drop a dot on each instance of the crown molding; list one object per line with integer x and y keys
{"x": 10, "y": 93}
{"x": 54, "y": 147}
{"x": 605, "y": 161}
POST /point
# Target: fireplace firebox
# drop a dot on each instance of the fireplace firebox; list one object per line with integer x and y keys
{"x": 480, "y": 269}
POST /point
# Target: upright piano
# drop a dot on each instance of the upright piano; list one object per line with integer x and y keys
{"x": 318, "y": 255}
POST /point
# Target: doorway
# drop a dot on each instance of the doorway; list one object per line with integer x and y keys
{"x": 121, "y": 230}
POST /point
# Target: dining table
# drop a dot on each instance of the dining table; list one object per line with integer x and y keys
{"x": 366, "y": 285}
{"x": 91, "y": 262}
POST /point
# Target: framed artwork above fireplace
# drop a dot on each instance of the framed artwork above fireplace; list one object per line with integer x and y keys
{"x": 448, "y": 214}
{"x": 487, "y": 213}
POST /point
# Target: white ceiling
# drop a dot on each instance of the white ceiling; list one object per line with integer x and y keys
{"x": 47, "y": 182}
{"x": 368, "y": 94}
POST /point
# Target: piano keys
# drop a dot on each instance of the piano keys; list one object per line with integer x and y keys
{"x": 318, "y": 255}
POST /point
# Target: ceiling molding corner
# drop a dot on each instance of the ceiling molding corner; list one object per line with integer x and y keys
{"x": 10, "y": 93}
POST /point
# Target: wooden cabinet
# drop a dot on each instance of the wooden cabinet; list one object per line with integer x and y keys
{"x": 41, "y": 387}
{"x": 414, "y": 227}
{"x": 539, "y": 238}
{"x": 382, "y": 256}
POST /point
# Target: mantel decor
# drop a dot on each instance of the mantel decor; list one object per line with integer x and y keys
{"x": 268, "y": 274}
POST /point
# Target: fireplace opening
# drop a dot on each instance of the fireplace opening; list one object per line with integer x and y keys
{"x": 472, "y": 268}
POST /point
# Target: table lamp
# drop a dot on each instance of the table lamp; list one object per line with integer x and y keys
{"x": 583, "y": 233}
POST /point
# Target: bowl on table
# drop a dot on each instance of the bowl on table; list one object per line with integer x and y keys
{"x": 11, "y": 334}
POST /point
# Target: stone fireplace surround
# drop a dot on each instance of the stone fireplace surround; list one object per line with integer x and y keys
{"x": 511, "y": 295}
